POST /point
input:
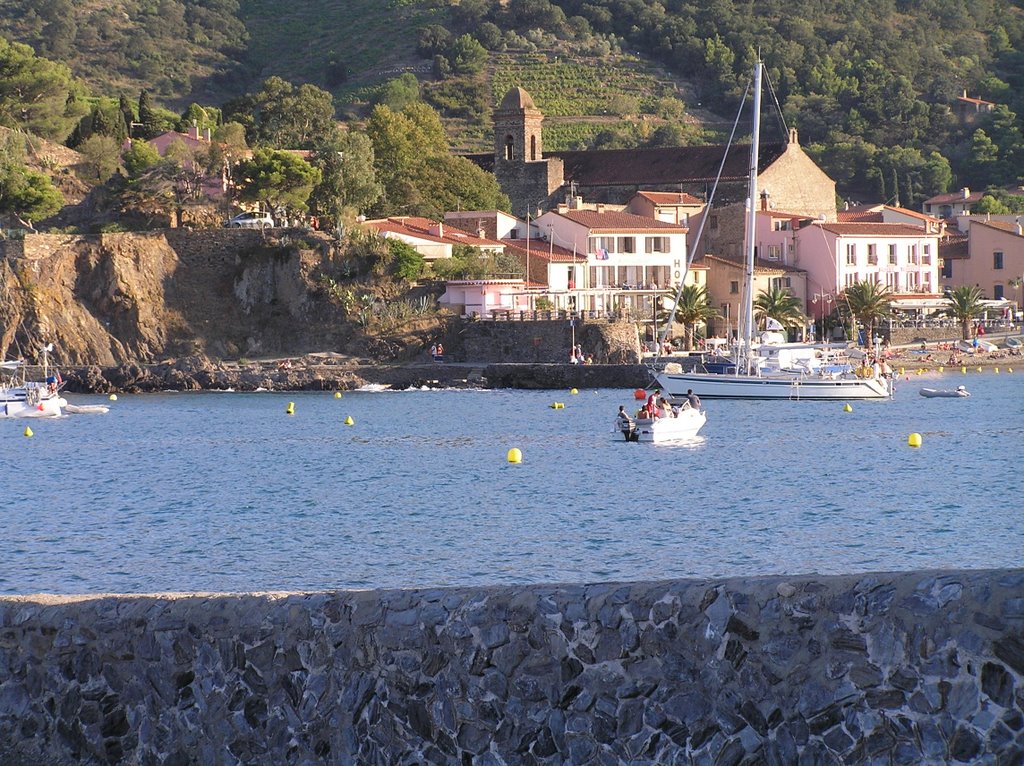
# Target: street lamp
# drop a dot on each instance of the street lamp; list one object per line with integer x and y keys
{"x": 826, "y": 299}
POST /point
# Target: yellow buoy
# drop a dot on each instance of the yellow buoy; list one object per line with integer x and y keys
{"x": 963, "y": 370}
{"x": 914, "y": 440}
{"x": 979, "y": 369}
{"x": 557, "y": 405}
{"x": 847, "y": 407}
{"x": 941, "y": 368}
{"x": 515, "y": 455}
{"x": 290, "y": 409}
{"x": 1009, "y": 369}
{"x": 996, "y": 370}
{"x": 337, "y": 394}
{"x": 113, "y": 397}
{"x": 28, "y": 431}
{"x": 573, "y": 391}
{"x": 349, "y": 421}
{"x": 901, "y": 370}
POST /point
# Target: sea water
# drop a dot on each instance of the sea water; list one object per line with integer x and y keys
{"x": 227, "y": 492}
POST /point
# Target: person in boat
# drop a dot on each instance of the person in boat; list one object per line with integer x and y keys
{"x": 652, "y": 400}
{"x": 692, "y": 399}
{"x": 665, "y": 409}
{"x": 623, "y": 419}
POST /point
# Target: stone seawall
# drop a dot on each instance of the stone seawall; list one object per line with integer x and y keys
{"x": 908, "y": 668}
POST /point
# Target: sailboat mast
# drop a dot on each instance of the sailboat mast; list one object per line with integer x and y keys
{"x": 747, "y": 330}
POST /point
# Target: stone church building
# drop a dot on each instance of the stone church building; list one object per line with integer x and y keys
{"x": 788, "y": 179}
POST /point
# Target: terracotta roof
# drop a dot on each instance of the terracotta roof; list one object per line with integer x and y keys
{"x": 1009, "y": 228}
{"x": 670, "y": 198}
{"x": 952, "y": 197}
{"x": 954, "y": 246}
{"x": 618, "y": 221}
{"x": 761, "y": 265}
{"x": 876, "y": 214}
{"x": 859, "y": 216}
{"x": 424, "y": 228}
{"x": 977, "y": 101}
{"x": 645, "y": 167}
{"x": 543, "y": 251}
{"x": 871, "y": 229}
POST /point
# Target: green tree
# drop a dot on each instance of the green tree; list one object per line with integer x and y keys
{"x": 348, "y": 181}
{"x": 147, "y": 116}
{"x": 467, "y": 56}
{"x": 781, "y": 305}
{"x": 692, "y": 309}
{"x": 102, "y": 156}
{"x": 866, "y": 302}
{"x": 408, "y": 264}
{"x": 26, "y": 194}
{"x": 139, "y": 158}
{"x": 37, "y": 95}
{"x": 279, "y": 180}
{"x": 965, "y": 304}
{"x": 281, "y": 115}
{"x": 399, "y": 93}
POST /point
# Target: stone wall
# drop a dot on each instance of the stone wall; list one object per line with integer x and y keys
{"x": 547, "y": 341}
{"x": 908, "y": 668}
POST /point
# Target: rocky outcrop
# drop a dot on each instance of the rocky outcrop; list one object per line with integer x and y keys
{"x": 898, "y": 668}
{"x": 113, "y": 299}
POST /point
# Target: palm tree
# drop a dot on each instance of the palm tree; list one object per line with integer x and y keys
{"x": 692, "y": 309}
{"x": 867, "y": 302}
{"x": 781, "y": 305}
{"x": 965, "y": 304}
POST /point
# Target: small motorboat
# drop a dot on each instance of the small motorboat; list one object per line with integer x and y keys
{"x": 960, "y": 392}
{"x": 1015, "y": 342}
{"x": 21, "y": 398}
{"x": 683, "y": 425}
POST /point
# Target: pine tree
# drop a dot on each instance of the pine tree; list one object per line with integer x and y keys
{"x": 147, "y": 115}
{"x": 124, "y": 106}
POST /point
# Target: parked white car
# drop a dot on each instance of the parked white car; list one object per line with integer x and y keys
{"x": 250, "y": 221}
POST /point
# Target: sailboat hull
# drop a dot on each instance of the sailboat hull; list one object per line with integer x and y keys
{"x": 715, "y": 386}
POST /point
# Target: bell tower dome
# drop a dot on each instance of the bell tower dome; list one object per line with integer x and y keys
{"x": 517, "y": 129}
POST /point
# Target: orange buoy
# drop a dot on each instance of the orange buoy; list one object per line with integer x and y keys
{"x": 639, "y": 394}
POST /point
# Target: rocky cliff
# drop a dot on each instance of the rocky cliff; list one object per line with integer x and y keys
{"x": 111, "y": 299}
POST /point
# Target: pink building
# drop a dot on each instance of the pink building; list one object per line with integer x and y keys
{"x": 485, "y": 297}
{"x": 995, "y": 260}
{"x": 834, "y": 256}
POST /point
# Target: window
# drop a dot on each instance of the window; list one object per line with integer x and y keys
{"x": 656, "y": 245}
{"x": 851, "y": 254}
{"x": 872, "y": 255}
{"x": 780, "y": 224}
{"x": 997, "y": 292}
{"x": 510, "y": 148}
{"x": 533, "y": 147}
{"x": 851, "y": 279}
{"x": 912, "y": 254}
{"x": 598, "y": 244}
{"x": 997, "y": 259}
{"x": 713, "y": 222}
{"x": 947, "y": 268}
{"x": 781, "y": 283}
{"x": 892, "y": 255}
{"x": 774, "y": 252}
{"x": 892, "y": 281}
{"x": 734, "y": 287}
{"x": 926, "y": 256}
{"x": 627, "y": 245}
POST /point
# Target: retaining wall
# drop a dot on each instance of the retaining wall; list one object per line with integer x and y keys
{"x": 908, "y": 668}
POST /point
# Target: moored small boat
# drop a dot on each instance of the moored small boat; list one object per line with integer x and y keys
{"x": 960, "y": 392}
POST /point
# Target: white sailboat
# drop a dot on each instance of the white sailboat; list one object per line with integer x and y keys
{"x": 762, "y": 371}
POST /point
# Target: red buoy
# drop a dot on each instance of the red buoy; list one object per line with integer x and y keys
{"x": 639, "y": 394}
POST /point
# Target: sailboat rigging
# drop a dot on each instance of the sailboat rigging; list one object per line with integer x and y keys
{"x": 768, "y": 370}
